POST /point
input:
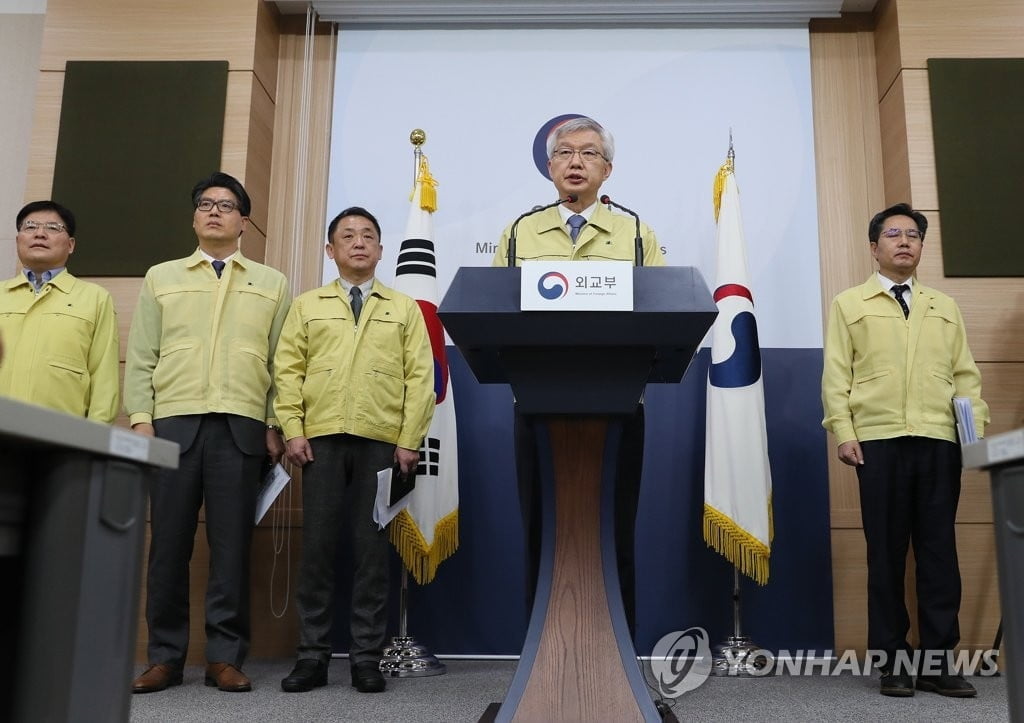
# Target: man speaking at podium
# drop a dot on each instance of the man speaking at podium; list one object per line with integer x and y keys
{"x": 578, "y": 228}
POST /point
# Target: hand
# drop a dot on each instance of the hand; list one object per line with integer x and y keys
{"x": 275, "y": 445}
{"x": 407, "y": 459}
{"x": 144, "y": 428}
{"x": 849, "y": 453}
{"x": 298, "y": 451}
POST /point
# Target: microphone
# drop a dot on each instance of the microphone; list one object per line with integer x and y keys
{"x": 571, "y": 198}
{"x": 639, "y": 240}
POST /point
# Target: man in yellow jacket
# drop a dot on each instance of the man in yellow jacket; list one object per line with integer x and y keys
{"x": 580, "y": 153}
{"x": 61, "y": 332}
{"x": 895, "y": 356}
{"x": 198, "y": 372}
{"x": 355, "y": 395}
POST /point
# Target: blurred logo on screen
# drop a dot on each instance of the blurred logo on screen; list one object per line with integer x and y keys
{"x": 540, "y": 141}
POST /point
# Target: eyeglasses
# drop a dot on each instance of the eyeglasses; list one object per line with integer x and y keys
{"x": 587, "y": 155}
{"x": 910, "y": 233}
{"x": 51, "y": 227}
{"x": 207, "y": 204}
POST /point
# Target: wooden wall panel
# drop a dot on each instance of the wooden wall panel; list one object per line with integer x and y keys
{"x": 920, "y": 148}
{"x": 154, "y": 30}
{"x": 957, "y": 29}
{"x": 993, "y": 308}
{"x": 847, "y": 155}
{"x": 296, "y": 234}
{"x": 887, "y": 45}
{"x": 895, "y": 161}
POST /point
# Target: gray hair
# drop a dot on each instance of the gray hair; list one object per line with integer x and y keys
{"x": 583, "y": 124}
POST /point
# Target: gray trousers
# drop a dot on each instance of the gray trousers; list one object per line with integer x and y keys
{"x": 338, "y": 489}
{"x": 215, "y": 468}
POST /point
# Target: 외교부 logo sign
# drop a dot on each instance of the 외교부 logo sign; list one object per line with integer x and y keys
{"x": 553, "y": 285}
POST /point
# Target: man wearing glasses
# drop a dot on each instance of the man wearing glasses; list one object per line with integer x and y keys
{"x": 895, "y": 356}
{"x": 61, "y": 331}
{"x": 580, "y": 153}
{"x": 198, "y": 372}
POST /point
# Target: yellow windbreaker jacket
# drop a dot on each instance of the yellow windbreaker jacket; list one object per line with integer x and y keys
{"x": 62, "y": 348}
{"x": 886, "y": 376}
{"x": 373, "y": 380}
{"x": 199, "y": 344}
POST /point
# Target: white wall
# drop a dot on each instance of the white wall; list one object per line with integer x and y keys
{"x": 21, "y": 38}
{"x": 669, "y": 96}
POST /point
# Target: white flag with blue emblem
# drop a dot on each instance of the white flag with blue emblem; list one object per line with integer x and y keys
{"x": 737, "y": 475}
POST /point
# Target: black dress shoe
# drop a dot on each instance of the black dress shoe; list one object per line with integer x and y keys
{"x": 897, "y": 685}
{"x": 367, "y": 678}
{"x": 306, "y": 675}
{"x": 952, "y": 685}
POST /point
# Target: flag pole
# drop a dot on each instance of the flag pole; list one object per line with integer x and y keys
{"x": 405, "y": 658}
{"x": 738, "y": 656}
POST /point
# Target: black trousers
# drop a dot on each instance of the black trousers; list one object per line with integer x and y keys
{"x": 214, "y": 469}
{"x": 338, "y": 490}
{"x": 909, "y": 491}
{"x": 629, "y": 470}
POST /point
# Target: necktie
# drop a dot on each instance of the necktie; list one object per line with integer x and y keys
{"x": 576, "y": 222}
{"x": 357, "y": 301}
{"x": 218, "y": 266}
{"x": 897, "y": 291}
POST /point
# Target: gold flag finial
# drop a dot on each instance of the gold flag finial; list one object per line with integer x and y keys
{"x": 418, "y": 137}
{"x": 727, "y": 168}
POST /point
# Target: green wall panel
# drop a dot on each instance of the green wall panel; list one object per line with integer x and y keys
{"x": 134, "y": 138}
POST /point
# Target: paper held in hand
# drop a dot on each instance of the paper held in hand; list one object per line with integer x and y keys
{"x": 394, "y": 492}
{"x": 964, "y": 420}
{"x": 271, "y": 487}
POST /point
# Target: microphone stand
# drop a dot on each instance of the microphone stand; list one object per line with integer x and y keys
{"x": 638, "y": 241}
{"x": 571, "y": 198}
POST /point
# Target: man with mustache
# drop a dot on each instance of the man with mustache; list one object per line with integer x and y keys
{"x": 580, "y": 153}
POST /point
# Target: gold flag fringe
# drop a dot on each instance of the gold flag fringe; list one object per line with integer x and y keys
{"x": 719, "y": 187}
{"x": 422, "y": 560}
{"x": 748, "y": 554}
{"x": 428, "y": 186}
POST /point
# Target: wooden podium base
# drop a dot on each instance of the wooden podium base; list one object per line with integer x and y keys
{"x": 578, "y": 662}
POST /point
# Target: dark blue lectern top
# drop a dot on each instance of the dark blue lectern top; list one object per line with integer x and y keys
{"x": 578, "y": 362}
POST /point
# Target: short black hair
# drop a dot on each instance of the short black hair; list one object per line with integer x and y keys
{"x": 223, "y": 180}
{"x": 352, "y": 211}
{"x": 65, "y": 214}
{"x": 900, "y": 209}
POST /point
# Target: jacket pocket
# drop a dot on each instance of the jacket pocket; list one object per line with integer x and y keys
{"x": 179, "y": 371}
{"x": 68, "y": 383}
{"x": 248, "y": 379}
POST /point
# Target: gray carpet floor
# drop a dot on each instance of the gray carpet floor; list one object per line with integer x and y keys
{"x": 469, "y": 686}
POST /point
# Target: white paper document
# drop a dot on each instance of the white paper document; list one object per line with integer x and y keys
{"x": 383, "y": 513}
{"x": 964, "y": 420}
{"x": 271, "y": 487}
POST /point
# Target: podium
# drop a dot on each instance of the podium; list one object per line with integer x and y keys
{"x": 1003, "y": 456}
{"x": 576, "y": 370}
{"x": 72, "y": 525}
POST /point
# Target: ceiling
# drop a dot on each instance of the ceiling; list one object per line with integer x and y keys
{"x": 575, "y": 13}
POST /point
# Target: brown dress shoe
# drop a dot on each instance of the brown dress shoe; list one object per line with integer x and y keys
{"x": 227, "y": 677}
{"x": 157, "y": 677}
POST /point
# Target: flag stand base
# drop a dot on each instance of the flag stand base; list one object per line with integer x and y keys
{"x": 405, "y": 658}
{"x": 739, "y": 657}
